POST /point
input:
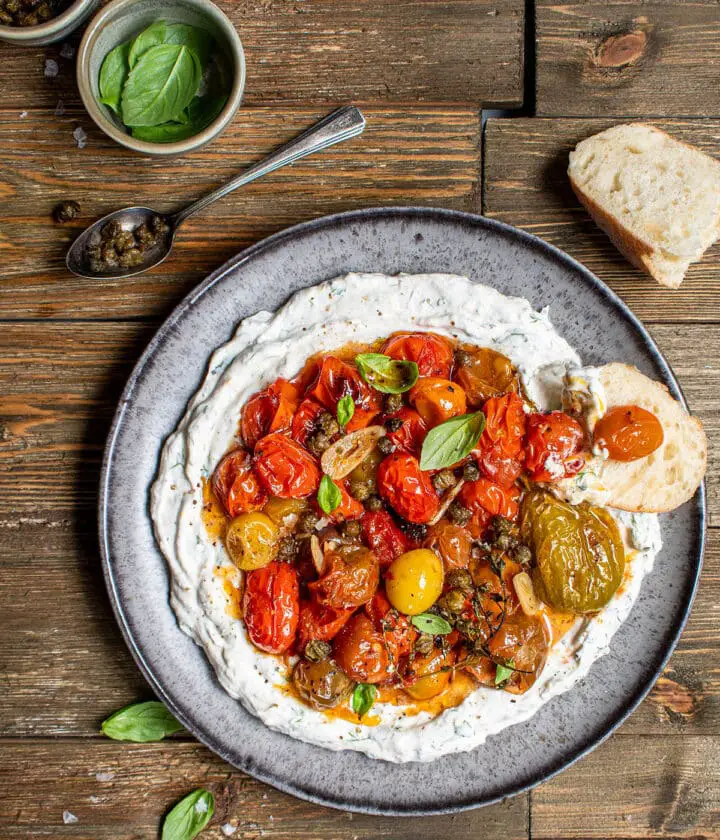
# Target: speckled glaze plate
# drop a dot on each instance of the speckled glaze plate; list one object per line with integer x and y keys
{"x": 412, "y": 240}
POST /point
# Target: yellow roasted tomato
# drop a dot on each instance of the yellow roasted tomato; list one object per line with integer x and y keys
{"x": 414, "y": 581}
{"x": 251, "y": 540}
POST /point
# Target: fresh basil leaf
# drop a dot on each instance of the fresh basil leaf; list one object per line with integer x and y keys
{"x": 389, "y": 376}
{"x": 113, "y": 73}
{"x": 328, "y": 497}
{"x": 188, "y": 818}
{"x": 162, "y": 83}
{"x": 201, "y": 112}
{"x": 363, "y": 698}
{"x": 149, "y": 37}
{"x": 141, "y": 722}
{"x": 451, "y": 441}
{"x": 197, "y": 39}
{"x": 431, "y": 623}
{"x": 504, "y": 672}
{"x": 345, "y": 410}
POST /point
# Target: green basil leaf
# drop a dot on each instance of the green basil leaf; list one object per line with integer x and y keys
{"x": 451, "y": 441}
{"x": 363, "y": 698}
{"x": 149, "y": 37}
{"x": 188, "y": 818}
{"x": 162, "y": 83}
{"x": 345, "y": 410}
{"x": 113, "y": 73}
{"x": 197, "y": 39}
{"x": 141, "y": 722}
{"x": 431, "y": 623}
{"x": 201, "y": 112}
{"x": 328, "y": 497}
{"x": 504, "y": 672}
{"x": 389, "y": 376}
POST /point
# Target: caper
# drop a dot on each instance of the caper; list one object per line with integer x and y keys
{"x": 360, "y": 490}
{"x": 385, "y": 446}
{"x": 471, "y": 471}
{"x": 110, "y": 230}
{"x": 458, "y": 514}
{"x": 130, "y": 258}
{"x": 318, "y": 443}
{"x": 393, "y": 424}
{"x": 144, "y": 235}
{"x": 459, "y": 579}
{"x": 307, "y": 521}
{"x": 501, "y": 525}
{"x": 444, "y": 480}
{"x": 454, "y": 601}
{"x": 352, "y": 528}
{"x": 287, "y": 549}
{"x": 66, "y": 211}
{"x": 522, "y": 554}
{"x": 327, "y": 423}
{"x": 393, "y": 403}
{"x": 316, "y": 651}
{"x": 374, "y": 504}
{"x": 124, "y": 241}
{"x": 159, "y": 225}
{"x": 424, "y": 644}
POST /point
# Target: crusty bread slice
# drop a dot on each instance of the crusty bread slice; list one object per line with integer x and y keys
{"x": 656, "y": 198}
{"x": 669, "y": 476}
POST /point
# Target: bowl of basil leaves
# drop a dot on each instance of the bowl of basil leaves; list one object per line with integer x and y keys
{"x": 162, "y": 77}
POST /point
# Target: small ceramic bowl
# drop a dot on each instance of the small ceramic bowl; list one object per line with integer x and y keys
{"x": 123, "y": 19}
{"x": 55, "y": 29}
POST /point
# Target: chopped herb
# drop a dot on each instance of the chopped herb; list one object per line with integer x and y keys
{"x": 345, "y": 410}
{"x": 363, "y": 698}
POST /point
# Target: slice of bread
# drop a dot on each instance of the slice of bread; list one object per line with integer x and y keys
{"x": 656, "y": 198}
{"x": 669, "y": 476}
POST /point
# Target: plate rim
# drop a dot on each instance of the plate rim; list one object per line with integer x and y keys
{"x": 347, "y": 217}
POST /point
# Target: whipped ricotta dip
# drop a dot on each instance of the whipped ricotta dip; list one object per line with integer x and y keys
{"x": 363, "y": 308}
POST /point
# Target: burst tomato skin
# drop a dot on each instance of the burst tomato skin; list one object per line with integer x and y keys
{"x": 410, "y": 436}
{"x": 350, "y": 580}
{"x": 271, "y": 606}
{"x": 628, "y": 432}
{"x": 269, "y": 411}
{"x": 407, "y": 489}
{"x": 360, "y": 650}
{"x": 486, "y": 499}
{"x": 384, "y": 537}
{"x": 499, "y": 452}
{"x": 319, "y": 622}
{"x": 336, "y": 379}
{"x": 303, "y": 423}
{"x": 284, "y": 468}
{"x": 398, "y": 632}
{"x": 437, "y": 400}
{"x": 236, "y": 485}
{"x": 554, "y": 446}
{"x": 432, "y": 353}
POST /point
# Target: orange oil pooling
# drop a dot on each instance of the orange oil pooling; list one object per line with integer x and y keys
{"x": 213, "y": 516}
{"x": 341, "y": 712}
{"x": 461, "y": 685}
{"x": 233, "y": 585}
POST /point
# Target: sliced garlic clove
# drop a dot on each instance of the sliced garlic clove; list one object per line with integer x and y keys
{"x": 350, "y": 451}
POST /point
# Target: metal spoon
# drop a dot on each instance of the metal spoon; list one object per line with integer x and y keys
{"x": 340, "y": 125}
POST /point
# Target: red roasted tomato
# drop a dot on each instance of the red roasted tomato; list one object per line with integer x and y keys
{"x": 432, "y": 353}
{"x": 629, "y": 432}
{"x": 269, "y": 411}
{"x": 406, "y": 488}
{"x": 336, "y": 379}
{"x": 360, "y": 650}
{"x": 286, "y": 469}
{"x": 499, "y": 452}
{"x": 384, "y": 537}
{"x": 236, "y": 485}
{"x": 486, "y": 499}
{"x": 351, "y": 579}
{"x": 303, "y": 423}
{"x": 319, "y": 622}
{"x": 554, "y": 446}
{"x": 271, "y": 605}
{"x": 398, "y": 632}
{"x": 410, "y": 436}
{"x": 437, "y": 400}
{"x": 349, "y": 507}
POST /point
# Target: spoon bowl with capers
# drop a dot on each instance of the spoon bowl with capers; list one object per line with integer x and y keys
{"x": 130, "y": 241}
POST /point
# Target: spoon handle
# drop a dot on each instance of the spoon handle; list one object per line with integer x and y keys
{"x": 341, "y": 125}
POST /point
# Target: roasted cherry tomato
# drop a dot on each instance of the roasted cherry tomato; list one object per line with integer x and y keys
{"x": 351, "y": 579}
{"x": 499, "y": 452}
{"x": 486, "y": 499}
{"x": 410, "y": 436}
{"x": 407, "y": 489}
{"x": 432, "y": 353}
{"x": 349, "y": 507}
{"x": 554, "y": 446}
{"x": 271, "y": 605}
{"x": 437, "y": 400}
{"x": 384, "y": 537}
{"x": 336, "y": 379}
{"x": 451, "y": 543}
{"x": 286, "y": 469}
{"x": 484, "y": 373}
{"x": 415, "y": 581}
{"x": 429, "y": 675}
{"x": 323, "y": 685}
{"x": 236, "y": 485}
{"x": 360, "y": 650}
{"x": 303, "y": 423}
{"x": 398, "y": 632}
{"x": 269, "y": 411}
{"x": 319, "y": 622}
{"x": 522, "y": 640}
{"x": 628, "y": 432}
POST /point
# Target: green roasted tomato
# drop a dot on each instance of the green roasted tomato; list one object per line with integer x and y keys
{"x": 579, "y": 553}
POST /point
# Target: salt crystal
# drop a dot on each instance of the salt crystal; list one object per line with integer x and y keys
{"x": 105, "y": 777}
{"x": 67, "y": 51}
{"x": 51, "y": 68}
{"x": 228, "y": 829}
{"x": 201, "y": 806}
{"x": 68, "y": 818}
{"x": 94, "y": 799}
{"x": 80, "y": 137}
{"x": 60, "y": 108}
{"x": 23, "y": 114}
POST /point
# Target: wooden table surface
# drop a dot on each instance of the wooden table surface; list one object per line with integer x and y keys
{"x": 423, "y": 72}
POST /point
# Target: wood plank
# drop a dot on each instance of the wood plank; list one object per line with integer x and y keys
{"x": 634, "y": 787}
{"x": 330, "y": 51}
{"x": 410, "y": 156}
{"x": 600, "y": 58}
{"x": 525, "y": 184}
{"x": 39, "y": 780}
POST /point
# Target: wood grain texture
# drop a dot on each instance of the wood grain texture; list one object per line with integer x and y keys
{"x": 39, "y": 780}
{"x": 331, "y": 51}
{"x": 426, "y": 156}
{"x": 599, "y": 58}
{"x": 525, "y": 184}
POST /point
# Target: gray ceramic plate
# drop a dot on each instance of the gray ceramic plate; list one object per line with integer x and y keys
{"x": 411, "y": 240}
